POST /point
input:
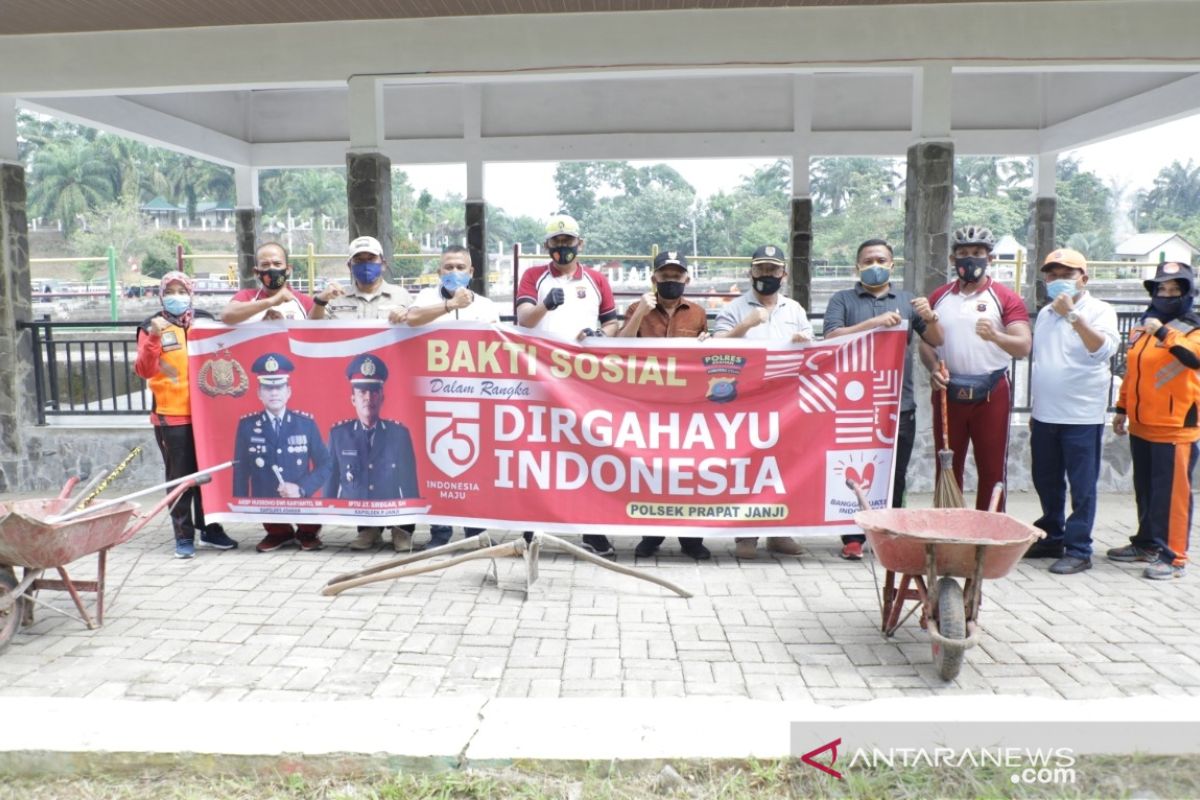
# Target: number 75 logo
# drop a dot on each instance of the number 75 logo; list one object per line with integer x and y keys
{"x": 452, "y": 435}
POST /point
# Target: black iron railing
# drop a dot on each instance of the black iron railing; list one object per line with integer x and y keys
{"x": 87, "y": 368}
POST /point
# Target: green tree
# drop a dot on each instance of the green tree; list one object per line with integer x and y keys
{"x": 191, "y": 179}
{"x": 67, "y": 181}
{"x": 1084, "y": 207}
{"x": 315, "y": 195}
{"x": 1174, "y": 202}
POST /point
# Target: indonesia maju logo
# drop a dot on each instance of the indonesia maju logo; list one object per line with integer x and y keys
{"x": 452, "y": 435}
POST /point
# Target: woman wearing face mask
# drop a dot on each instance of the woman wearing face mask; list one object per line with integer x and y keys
{"x": 1158, "y": 406}
{"x": 162, "y": 360}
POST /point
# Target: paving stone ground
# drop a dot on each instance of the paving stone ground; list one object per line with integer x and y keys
{"x": 241, "y": 625}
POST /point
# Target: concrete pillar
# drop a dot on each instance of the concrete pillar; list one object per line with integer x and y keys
{"x": 1043, "y": 244}
{"x": 801, "y": 251}
{"x": 18, "y": 408}
{"x": 369, "y": 197}
{"x": 247, "y": 216}
{"x": 1043, "y": 241}
{"x": 477, "y": 243}
{"x": 928, "y": 215}
{"x": 247, "y": 236}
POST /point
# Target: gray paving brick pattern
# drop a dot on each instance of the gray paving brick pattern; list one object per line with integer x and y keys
{"x": 246, "y": 626}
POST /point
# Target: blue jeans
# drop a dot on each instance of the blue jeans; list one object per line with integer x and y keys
{"x": 440, "y": 534}
{"x": 1062, "y": 455}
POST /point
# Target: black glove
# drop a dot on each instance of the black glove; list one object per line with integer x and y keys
{"x": 592, "y": 332}
{"x": 554, "y": 299}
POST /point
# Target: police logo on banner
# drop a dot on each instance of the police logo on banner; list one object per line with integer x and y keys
{"x": 452, "y": 435}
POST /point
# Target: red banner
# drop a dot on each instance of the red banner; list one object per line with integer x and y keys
{"x": 355, "y": 423}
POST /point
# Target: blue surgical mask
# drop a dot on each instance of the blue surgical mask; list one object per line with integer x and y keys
{"x": 453, "y": 281}
{"x": 176, "y": 304}
{"x": 1061, "y": 286}
{"x": 366, "y": 272}
{"x": 875, "y": 277}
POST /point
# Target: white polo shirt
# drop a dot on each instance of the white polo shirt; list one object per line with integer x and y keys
{"x": 1070, "y": 386}
{"x": 964, "y": 352}
{"x": 481, "y": 309}
{"x": 587, "y": 300}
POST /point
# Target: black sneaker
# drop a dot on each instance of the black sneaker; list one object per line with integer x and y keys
{"x": 696, "y": 550}
{"x": 1069, "y": 565}
{"x": 1045, "y": 549}
{"x": 1130, "y": 553}
{"x": 645, "y": 549}
{"x": 214, "y": 536}
{"x": 600, "y": 546}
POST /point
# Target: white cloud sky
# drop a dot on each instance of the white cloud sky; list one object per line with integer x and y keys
{"x": 528, "y": 187}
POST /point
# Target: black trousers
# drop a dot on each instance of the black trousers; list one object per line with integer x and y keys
{"x": 179, "y": 457}
{"x": 906, "y": 432}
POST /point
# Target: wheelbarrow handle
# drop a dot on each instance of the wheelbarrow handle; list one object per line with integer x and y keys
{"x": 195, "y": 476}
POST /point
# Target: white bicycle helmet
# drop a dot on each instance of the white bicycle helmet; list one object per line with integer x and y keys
{"x": 973, "y": 234}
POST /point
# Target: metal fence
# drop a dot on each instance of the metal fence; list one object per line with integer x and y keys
{"x": 87, "y": 368}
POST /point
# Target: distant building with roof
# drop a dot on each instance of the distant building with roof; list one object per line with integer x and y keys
{"x": 163, "y": 212}
{"x": 1155, "y": 247}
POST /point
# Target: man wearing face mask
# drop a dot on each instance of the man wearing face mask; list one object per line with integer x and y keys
{"x": 663, "y": 312}
{"x": 450, "y": 301}
{"x": 764, "y": 313}
{"x": 567, "y": 300}
{"x": 564, "y": 298}
{"x": 1074, "y": 337}
{"x": 274, "y": 299}
{"x": 372, "y": 297}
{"x": 985, "y": 326}
{"x": 875, "y": 303}
{"x": 1160, "y": 404}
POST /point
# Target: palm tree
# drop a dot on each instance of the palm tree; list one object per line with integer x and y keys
{"x": 67, "y": 180}
{"x": 192, "y": 178}
{"x": 1176, "y": 191}
{"x": 315, "y": 193}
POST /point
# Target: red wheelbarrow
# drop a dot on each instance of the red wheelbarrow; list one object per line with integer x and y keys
{"x": 928, "y": 549}
{"x": 37, "y": 536}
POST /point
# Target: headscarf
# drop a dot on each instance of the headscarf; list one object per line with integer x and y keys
{"x": 183, "y": 320}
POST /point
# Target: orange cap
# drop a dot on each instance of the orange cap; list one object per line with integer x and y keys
{"x": 1066, "y": 257}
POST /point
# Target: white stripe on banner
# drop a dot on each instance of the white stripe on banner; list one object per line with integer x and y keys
{"x": 818, "y": 393}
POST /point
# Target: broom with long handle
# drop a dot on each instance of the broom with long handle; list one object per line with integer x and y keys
{"x": 946, "y": 492}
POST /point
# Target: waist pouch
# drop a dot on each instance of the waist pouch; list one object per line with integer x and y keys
{"x": 973, "y": 388}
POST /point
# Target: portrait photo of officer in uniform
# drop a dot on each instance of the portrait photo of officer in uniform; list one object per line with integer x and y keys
{"x": 279, "y": 452}
{"x": 372, "y": 458}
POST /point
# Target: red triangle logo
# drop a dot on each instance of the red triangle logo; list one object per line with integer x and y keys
{"x": 807, "y": 758}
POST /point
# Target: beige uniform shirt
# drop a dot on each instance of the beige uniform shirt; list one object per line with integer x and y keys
{"x": 377, "y": 305}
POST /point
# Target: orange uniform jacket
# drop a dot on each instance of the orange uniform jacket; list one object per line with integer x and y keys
{"x": 1161, "y": 389}
{"x": 163, "y": 362}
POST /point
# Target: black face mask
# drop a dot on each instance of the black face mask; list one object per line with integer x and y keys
{"x": 1170, "y": 308}
{"x": 273, "y": 278}
{"x": 768, "y": 284}
{"x": 669, "y": 290}
{"x": 971, "y": 268}
{"x": 563, "y": 254}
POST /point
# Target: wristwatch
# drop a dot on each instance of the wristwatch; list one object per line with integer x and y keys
{"x": 1072, "y": 317}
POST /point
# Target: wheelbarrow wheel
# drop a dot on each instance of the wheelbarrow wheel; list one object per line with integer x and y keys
{"x": 10, "y": 620}
{"x": 951, "y": 624}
